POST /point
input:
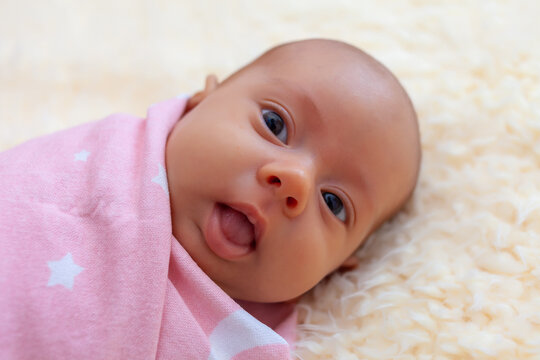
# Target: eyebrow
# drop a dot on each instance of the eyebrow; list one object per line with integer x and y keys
{"x": 299, "y": 93}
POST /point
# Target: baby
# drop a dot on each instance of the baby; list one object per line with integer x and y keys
{"x": 274, "y": 177}
{"x": 281, "y": 171}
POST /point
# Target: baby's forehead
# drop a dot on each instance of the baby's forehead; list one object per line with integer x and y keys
{"x": 336, "y": 99}
{"x": 332, "y": 76}
{"x": 318, "y": 57}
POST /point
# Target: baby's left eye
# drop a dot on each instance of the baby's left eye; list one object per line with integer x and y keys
{"x": 335, "y": 205}
{"x": 276, "y": 124}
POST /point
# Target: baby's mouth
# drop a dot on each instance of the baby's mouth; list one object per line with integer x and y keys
{"x": 229, "y": 233}
{"x": 236, "y": 226}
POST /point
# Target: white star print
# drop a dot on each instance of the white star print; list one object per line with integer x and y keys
{"x": 161, "y": 179}
{"x": 63, "y": 271}
{"x": 82, "y": 155}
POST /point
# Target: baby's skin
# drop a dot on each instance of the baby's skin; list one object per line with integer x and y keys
{"x": 280, "y": 172}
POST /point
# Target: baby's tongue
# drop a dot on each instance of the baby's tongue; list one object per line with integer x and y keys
{"x": 236, "y": 226}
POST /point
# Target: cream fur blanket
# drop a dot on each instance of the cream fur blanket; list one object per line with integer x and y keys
{"x": 454, "y": 276}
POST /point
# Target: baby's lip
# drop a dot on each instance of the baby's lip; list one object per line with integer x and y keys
{"x": 254, "y": 216}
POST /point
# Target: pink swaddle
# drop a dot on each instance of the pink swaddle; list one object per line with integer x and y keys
{"x": 89, "y": 268}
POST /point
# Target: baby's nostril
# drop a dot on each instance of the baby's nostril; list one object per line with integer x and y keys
{"x": 274, "y": 180}
{"x": 291, "y": 202}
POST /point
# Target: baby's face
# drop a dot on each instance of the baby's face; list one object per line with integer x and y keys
{"x": 279, "y": 174}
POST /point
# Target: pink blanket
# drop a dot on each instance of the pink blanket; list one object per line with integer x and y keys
{"x": 89, "y": 268}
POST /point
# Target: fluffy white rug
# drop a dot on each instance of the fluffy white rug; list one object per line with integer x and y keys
{"x": 456, "y": 275}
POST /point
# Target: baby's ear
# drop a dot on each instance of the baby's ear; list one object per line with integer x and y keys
{"x": 350, "y": 263}
{"x": 211, "y": 84}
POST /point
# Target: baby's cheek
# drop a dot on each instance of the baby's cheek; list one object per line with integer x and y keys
{"x": 310, "y": 262}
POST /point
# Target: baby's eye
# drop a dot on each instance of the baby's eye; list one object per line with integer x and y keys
{"x": 276, "y": 124}
{"x": 335, "y": 205}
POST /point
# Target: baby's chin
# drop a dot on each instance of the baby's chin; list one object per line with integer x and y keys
{"x": 262, "y": 298}
{"x": 262, "y": 294}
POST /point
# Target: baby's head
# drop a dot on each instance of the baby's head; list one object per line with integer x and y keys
{"x": 280, "y": 172}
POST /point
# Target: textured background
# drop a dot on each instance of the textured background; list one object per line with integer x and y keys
{"x": 456, "y": 275}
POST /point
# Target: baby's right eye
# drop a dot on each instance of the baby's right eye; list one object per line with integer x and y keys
{"x": 276, "y": 124}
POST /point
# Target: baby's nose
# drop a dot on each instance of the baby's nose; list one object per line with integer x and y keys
{"x": 291, "y": 183}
